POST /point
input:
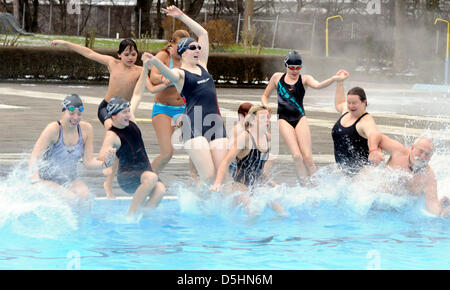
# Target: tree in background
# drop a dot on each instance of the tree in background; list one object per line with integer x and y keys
{"x": 144, "y": 6}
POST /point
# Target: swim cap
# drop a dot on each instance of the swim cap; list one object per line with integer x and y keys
{"x": 183, "y": 44}
{"x": 115, "y": 105}
{"x": 293, "y": 58}
{"x": 72, "y": 100}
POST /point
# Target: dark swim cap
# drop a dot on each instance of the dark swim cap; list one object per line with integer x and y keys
{"x": 72, "y": 100}
{"x": 115, "y": 105}
{"x": 183, "y": 44}
{"x": 293, "y": 58}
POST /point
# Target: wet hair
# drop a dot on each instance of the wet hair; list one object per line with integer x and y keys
{"x": 243, "y": 108}
{"x": 293, "y": 58}
{"x": 178, "y": 34}
{"x": 72, "y": 100}
{"x": 183, "y": 44}
{"x": 252, "y": 114}
{"x": 359, "y": 92}
{"x": 128, "y": 42}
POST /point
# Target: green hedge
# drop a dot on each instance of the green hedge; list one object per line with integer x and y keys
{"x": 227, "y": 69}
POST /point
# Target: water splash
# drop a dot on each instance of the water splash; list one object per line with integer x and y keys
{"x": 34, "y": 210}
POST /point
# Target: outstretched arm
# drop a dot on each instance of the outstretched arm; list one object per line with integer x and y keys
{"x": 313, "y": 83}
{"x": 111, "y": 143}
{"x": 88, "y": 156}
{"x": 198, "y": 30}
{"x": 173, "y": 75}
{"x": 339, "y": 98}
{"x": 84, "y": 51}
{"x": 140, "y": 86}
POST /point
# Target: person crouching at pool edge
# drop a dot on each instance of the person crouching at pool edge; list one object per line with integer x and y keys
{"x": 135, "y": 175}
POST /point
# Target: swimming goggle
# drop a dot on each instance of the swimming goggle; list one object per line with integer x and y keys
{"x": 72, "y": 108}
{"x": 193, "y": 47}
{"x": 294, "y": 67}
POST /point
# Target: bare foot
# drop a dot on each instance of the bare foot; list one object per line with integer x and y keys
{"x": 108, "y": 190}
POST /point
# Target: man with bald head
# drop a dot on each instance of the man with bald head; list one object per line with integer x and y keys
{"x": 413, "y": 160}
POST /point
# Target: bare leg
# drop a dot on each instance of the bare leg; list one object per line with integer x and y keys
{"x": 157, "y": 194}
{"x": 219, "y": 150}
{"x": 107, "y": 185}
{"x": 289, "y": 136}
{"x": 164, "y": 130}
{"x": 303, "y": 134}
{"x": 200, "y": 154}
{"x": 194, "y": 174}
{"x": 148, "y": 182}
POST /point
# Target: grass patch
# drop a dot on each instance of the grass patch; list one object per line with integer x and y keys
{"x": 111, "y": 43}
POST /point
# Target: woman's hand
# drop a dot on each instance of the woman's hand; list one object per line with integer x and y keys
{"x": 341, "y": 75}
{"x": 173, "y": 11}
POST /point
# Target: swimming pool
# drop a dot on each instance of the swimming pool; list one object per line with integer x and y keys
{"x": 333, "y": 226}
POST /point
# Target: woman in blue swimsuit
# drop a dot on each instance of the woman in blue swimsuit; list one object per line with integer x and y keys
{"x": 203, "y": 129}
{"x": 293, "y": 124}
{"x": 60, "y": 147}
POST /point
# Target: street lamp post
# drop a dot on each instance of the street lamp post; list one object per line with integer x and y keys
{"x": 326, "y": 31}
{"x": 446, "y": 56}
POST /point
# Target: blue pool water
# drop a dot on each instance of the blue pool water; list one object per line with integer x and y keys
{"x": 337, "y": 225}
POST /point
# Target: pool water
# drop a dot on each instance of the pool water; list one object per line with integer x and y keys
{"x": 336, "y": 225}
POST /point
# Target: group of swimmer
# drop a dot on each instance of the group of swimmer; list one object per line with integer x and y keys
{"x": 185, "y": 97}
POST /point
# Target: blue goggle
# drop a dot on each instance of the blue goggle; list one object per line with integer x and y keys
{"x": 72, "y": 108}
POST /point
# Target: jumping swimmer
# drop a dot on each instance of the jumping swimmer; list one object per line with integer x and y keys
{"x": 203, "y": 129}
{"x": 135, "y": 174}
{"x": 355, "y": 131}
{"x": 293, "y": 124}
{"x": 251, "y": 152}
{"x": 60, "y": 146}
{"x": 123, "y": 76}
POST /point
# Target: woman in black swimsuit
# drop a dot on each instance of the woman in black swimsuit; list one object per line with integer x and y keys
{"x": 135, "y": 175}
{"x": 251, "y": 152}
{"x": 203, "y": 130}
{"x": 354, "y": 134}
{"x": 293, "y": 124}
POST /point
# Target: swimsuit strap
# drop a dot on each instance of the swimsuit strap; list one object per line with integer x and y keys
{"x": 171, "y": 59}
{"x": 361, "y": 117}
